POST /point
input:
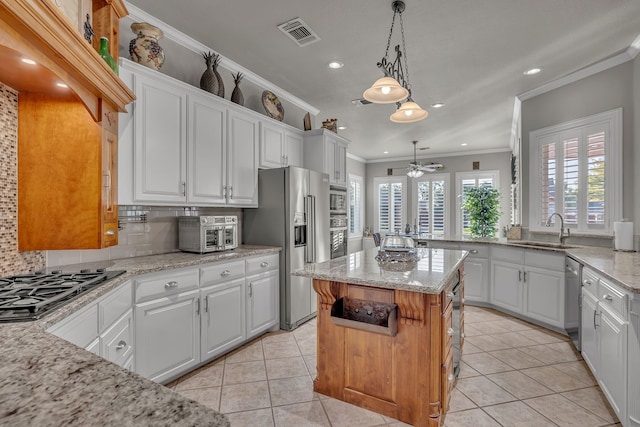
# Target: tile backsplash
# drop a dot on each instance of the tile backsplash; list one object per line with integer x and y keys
{"x": 143, "y": 230}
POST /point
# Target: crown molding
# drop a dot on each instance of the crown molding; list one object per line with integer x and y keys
{"x": 356, "y": 158}
{"x": 184, "y": 40}
{"x": 438, "y": 156}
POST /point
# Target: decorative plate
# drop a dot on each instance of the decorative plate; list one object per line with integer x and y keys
{"x": 307, "y": 121}
{"x": 272, "y": 105}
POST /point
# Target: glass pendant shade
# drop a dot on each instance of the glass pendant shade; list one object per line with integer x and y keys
{"x": 385, "y": 90}
{"x": 415, "y": 173}
{"x": 409, "y": 112}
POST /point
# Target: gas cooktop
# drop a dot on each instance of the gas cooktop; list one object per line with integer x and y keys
{"x": 31, "y": 296}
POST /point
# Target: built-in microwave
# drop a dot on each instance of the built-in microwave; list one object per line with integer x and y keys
{"x": 203, "y": 234}
{"x": 338, "y": 202}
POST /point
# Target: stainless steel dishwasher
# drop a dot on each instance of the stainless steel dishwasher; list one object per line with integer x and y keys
{"x": 572, "y": 301}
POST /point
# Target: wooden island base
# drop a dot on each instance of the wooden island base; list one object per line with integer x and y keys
{"x": 408, "y": 376}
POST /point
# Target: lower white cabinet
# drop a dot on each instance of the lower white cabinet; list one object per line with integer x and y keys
{"x": 223, "y": 320}
{"x": 476, "y": 274}
{"x": 544, "y": 295}
{"x": 612, "y": 360}
{"x": 506, "y": 289}
{"x": 262, "y": 302}
{"x": 633, "y": 348}
{"x": 168, "y": 335}
{"x": 116, "y": 343}
{"x": 588, "y": 330}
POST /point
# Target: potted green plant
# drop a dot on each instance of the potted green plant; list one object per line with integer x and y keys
{"x": 483, "y": 207}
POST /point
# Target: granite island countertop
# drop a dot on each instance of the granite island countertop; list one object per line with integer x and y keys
{"x": 433, "y": 271}
{"x": 47, "y": 381}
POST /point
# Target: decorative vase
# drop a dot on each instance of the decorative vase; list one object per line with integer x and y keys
{"x": 208, "y": 81}
{"x": 144, "y": 49}
{"x": 236, "y": 95}
{"x": 104, "y": 53}
{"x": 214, "y": 65}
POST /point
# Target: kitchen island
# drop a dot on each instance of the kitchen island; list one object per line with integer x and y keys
{"x": 389, "y": 339}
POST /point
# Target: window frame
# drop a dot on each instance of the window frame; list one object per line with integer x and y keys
{"x": 376, "y": 198}
{"x": 360, "y": 180}
{"x": 447, "y": 196}
{"x": 476, "y": 174}
{"x": 611, "y": 122}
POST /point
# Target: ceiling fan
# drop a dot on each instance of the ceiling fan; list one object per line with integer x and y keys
{"x": 416, "y": 170}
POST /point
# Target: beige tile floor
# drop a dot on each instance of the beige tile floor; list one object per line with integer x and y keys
{"x": 512, "y": 374}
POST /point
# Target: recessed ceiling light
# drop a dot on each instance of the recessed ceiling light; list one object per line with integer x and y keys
{"x": 28, "y": 61}
{"x": 342, "y": 127}
{"x": 385, "y": 152}
{"x": 62, "y": 85}
{"x": 464, "y": 144}
{"x": 336, "y": 64}
{"x": 437, "y": 104}
{"x": 532, "y": 71}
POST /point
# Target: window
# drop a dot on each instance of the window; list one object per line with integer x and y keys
{"x": 576, "y": 171}
{"x": 431, "y": 203}
{"x": 471, "y": 179}
{"x": 355, "y": 205}
{"x": 389, "y": 195}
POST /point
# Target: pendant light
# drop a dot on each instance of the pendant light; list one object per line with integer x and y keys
{"x": 394, "y": 87}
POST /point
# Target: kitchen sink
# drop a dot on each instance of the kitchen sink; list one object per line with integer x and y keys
{"x": 543, "y": 245}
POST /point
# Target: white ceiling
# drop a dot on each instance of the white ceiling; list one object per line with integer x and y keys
{"x": 468, "y": 54}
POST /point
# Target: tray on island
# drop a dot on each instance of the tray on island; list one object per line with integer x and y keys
{"x": 371, "y": 316}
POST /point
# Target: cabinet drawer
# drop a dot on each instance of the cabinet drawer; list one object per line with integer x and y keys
{"x": 117, "y": 341}
{"x": 613, "y": 298}
{"x": 515, "y": 256}
{"x": 476, "y": 251}
{"x": 113, "y": 305}
{"x": 262, "y": 263}
{"x": 544, "y": 260}
{"x": 80, "y": 328}
{"x": 447, "y": 329}
{"x": 221, "y": 272}
{"x": 448, "y": 380}
{"x": 590, "y": 281}
{"x": 166, "y": 284}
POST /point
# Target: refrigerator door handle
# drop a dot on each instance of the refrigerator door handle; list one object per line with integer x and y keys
{"x": 310, "y": 207}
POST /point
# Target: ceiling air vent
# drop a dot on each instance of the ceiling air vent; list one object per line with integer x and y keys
{"x": 360, "y": 102}
{"x": 298, "y": 31}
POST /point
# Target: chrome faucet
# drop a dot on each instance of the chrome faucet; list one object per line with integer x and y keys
{"x": 562, "y": 235}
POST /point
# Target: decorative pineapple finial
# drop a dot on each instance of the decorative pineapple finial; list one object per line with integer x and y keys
{"x": 236, "y": 95}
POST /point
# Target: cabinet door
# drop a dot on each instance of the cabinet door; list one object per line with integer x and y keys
{"x": 588, "y": 331}
{"x": 167, "y": 332}
{"x": 612, "y": 371}
{"x": 330, "y": 159}
{"x": 262, "y": 302}
{"x": 160, "y": 142}
{"x": 272, "y": 146}
{"x": 341, "y": 165}
{"x": 544, "y": 295}
{"x": 206, "y": 151}
{"x": 294, "y": 147}
{"x": 506, "y": 288}
{"x": 476, "y": 279}
{"x": 633, "y": 346}
{"x": 242, "y": 161}
{"x": 110, "y": 169}
{"x": 223, "y": 318}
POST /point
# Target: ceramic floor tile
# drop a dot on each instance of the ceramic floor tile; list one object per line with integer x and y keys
{"x": 209, "y": 376}
{"x": 286, "y": 367}
{"x": 310, "y": 362}
{"x": 486, "y": 342}
{"x": 278, "y": 336}
{"x": 543, "y": 336}
{"x": 513, "y": 325}
{"x": 485, "y": 363}
{"x": 472, "y": 330}
{"x": 515, "y": 339}
{"x": 209, "y": 396}
{"x": 472, "y": 417}
{"x": 469, "y": 348}
{"x": 291, "y": 390}
{"x": 564, "y": 412}
{"x": 277, "y": 350}
{"x": 245, "y": 397}
{"x": 552, "y": 353}
{"x": 459, "y": 402}
{"x": 492, "y": 327}
{"x": 257, "y": 418}
{"x": 244, "y": 372}
{"x": 516, "y": 358}
{"x": 517, "y": 414}
{"x": 305, "y": 414}
{"x": 519, "y": 385}
{"x": 247, "y": 353}
{"x": 578, "y": 370}
{"x": 593, "y": 400}
{"x": 467, "y": 371}
{"x": 342, "y": 414}
{"x": 554, "y": 378}
{"x": 307, "y": 345}
{"x": 395, "y": 423}
{"x": 483, "y": 391}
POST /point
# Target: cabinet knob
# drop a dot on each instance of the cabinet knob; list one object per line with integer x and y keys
{"x": 587, "y": 282}
{"x": 450, "y": 295}
{"x": 450, "y": 332}
{"x": 110, "y": 232}
{"x": 264, "y": 264}
{"x": 231, "y": 192}
{"x": 122, "y": 344}
{"x": 473, "y": 251}
{"x": 450, "y": 377}
{"x": 225, "y": 273}
{"x": 608, "y": 297}
{"x": 172, "y": 284}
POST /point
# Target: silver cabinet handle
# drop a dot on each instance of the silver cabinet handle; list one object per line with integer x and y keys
{"x": 608, "y": 297}
{"x": 525, "y": 276}
{"x": 231, "y": 192}
{"x": 473, "y": 251}
{"x": 286, "y": 160}
{"x": 450, "y": 332}
{"x": 224, "y": 192}
{"x": 110, "y": 232}
{"x": 264, "y": 264}
{"x": 198, "y": 306}
{"x": 519, "y": 276}
{"x": 172, "y": 284}
{"x": 184, "y": 189}
{"x": 250, "y": 289}
{"x": 122, "y": 344}
{"x": 450, "y": 295}
{"x": 206, "y": 305}
{"x": 225, "y": 273}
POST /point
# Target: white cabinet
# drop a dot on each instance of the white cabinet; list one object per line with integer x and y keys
{"x": 544, "y": 299}
{"x": 241, "y": 188}
{"x": 294, "y": 145}
{"x": 612, "y": 359}
{"x": 588, "y": 330}
{"x": 476, "y": 273}
{"x": 116, "y": 343}
{"x": 506, "y": 290}
{"x": 279, "y": 146}
{"x": 326, "y": 152}
{"x": 262, "y": 302}
{"x": 633, "y": 347}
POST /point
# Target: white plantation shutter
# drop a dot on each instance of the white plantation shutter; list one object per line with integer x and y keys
{"x": 384, "y": 213}
{"x": 580, "y": 175}
{"x": 389, "y": 204}
{"x": 431, "y": 203}
{"x": 439, "y": 196}
{"x": 355, "y": 206}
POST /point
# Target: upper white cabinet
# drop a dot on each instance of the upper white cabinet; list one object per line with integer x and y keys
{"x": 294, "y": 144}
{"x": 182, "y": 146}
{"x": 326, "y": 152}
{"x": 279, "y": 146}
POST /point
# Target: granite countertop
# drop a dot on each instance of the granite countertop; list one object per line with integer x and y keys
{"x": 47, "y": 381}
{"x": 434, "y": 270}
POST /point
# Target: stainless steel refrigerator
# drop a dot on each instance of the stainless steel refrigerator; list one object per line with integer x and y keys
{"x": 293, "y": 213}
